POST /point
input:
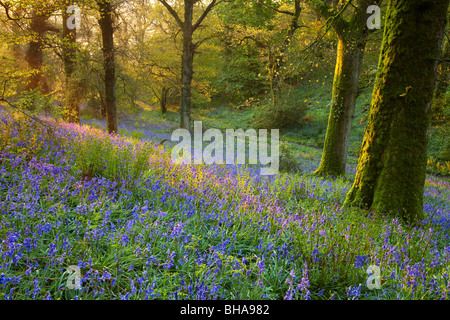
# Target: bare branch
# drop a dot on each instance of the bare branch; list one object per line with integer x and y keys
{"x": 332, "y": 16}
{"x": 2, "y": 99}
{"x": 275, "y": 9}
{"x": 204, "y": 14}
{"x": 257, "y": 42}
{"x": 173, "y": 13}
{"x": 6, "y": 6}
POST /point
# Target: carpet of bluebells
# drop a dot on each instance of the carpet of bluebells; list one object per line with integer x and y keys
{"x": 140, "y": 227}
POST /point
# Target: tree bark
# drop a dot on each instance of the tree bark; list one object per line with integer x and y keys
{"x": 164, "y": 96}
{"x": 34, "y": 54}
{"x": 187, "y": 68}
{"x": 106, "y": 26}
{"x": 69, "y": 58}
{"x": 352, "y": 36}
{"x": 345, "y": 93}
{"x": 392, "y": 164}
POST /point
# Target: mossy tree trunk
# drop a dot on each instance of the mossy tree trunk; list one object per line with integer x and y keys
{"x": 352, "y": 35}
{"x": 345, "y": 93}
{"x": 392, "y": 165}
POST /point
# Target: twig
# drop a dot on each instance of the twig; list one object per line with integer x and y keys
{"x": 2, "y": 99}
{"x": 275, "y": 9}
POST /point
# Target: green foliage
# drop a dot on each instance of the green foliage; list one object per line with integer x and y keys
{"x": 96, "y": 155}
{"x": 36, "y": 103}
{"x": 289, "y": 159}
{"x": 240, "y": 74}
{"x": 248, "y": 13}
{"x": 135, "y": 134}
{"x": 286, "y": 112}
{"x": 439, "y": 149}
{"x": 11, "y": 75}
{"x": 440, "y": 109}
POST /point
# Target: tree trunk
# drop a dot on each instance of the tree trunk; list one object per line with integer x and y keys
{"x": 187, "y": 69}
{"x": 345, "y": 92}
{"x": 352, "y": 35}
{"x": 392, "y": 165}
{"x": 69, "y": 57}
{"x": 106, "y": 26}
{"x": 164, "y": 93}
{"x": 34, "y": 54}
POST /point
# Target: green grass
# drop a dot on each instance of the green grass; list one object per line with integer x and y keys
{"x": 313, "y": 130}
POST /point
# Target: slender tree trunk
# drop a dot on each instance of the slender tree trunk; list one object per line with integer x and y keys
{"x": 106, "y": 26}
{"x": 392, "y": 165}
{"x": 164, "y": 93}
{"x": 187, "y": 69}
{"x": 69, "y": 57}
{"x": 345, "y": 92}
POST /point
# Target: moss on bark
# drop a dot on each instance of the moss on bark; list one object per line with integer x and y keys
{"x": 392, "y": 165}
{"x": 345, "y": 92}
{"x": 352, "y": 35}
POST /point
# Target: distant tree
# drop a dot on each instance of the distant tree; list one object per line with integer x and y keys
{"x": 188, "y": 28}
{"x": 34, "y": 55}
{"x": 352, "y": 33}
{"x": 392, "y": 165}
{"x": 29, "y": 33}
{"x": 245, "y": 43}
{"x": 156, "y": 51}
{"x": 440, "y": 93}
